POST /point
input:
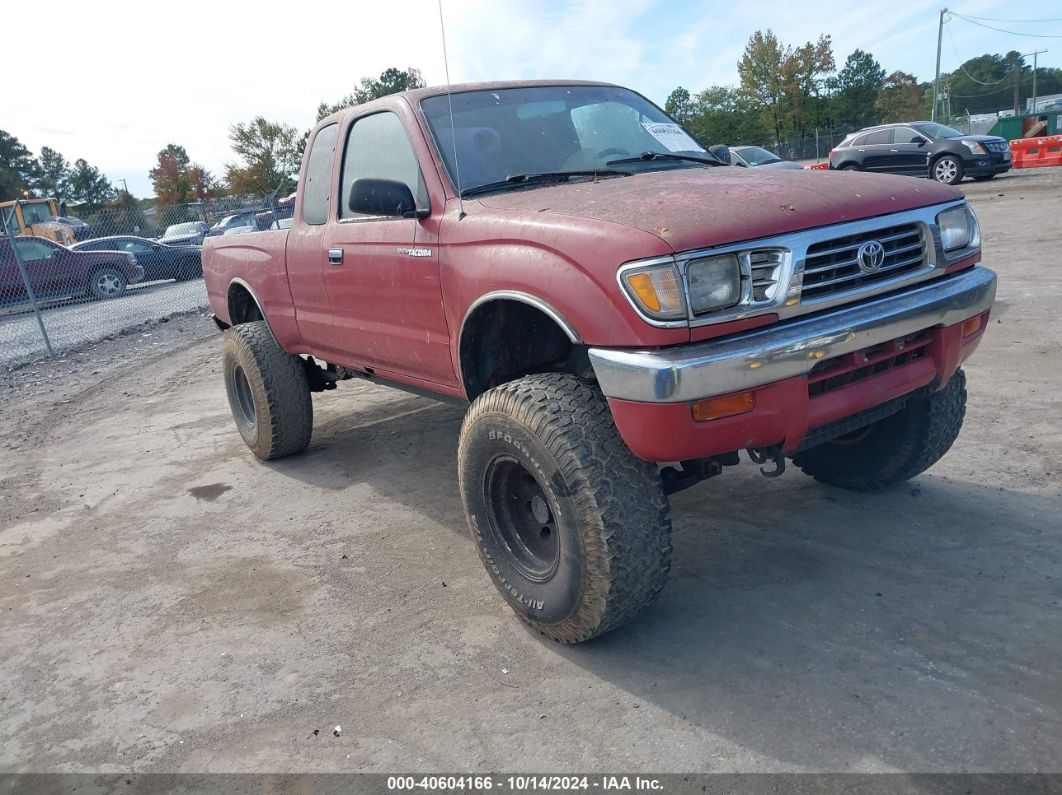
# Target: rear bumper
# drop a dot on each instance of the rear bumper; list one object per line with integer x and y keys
{"x": 870, "y": 347}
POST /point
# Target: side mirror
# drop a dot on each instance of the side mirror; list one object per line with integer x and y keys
{"x": 386, "y": 197}
{"x": 920, "y": 141}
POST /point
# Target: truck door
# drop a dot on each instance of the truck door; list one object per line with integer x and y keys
{"x": 382, "y": 273}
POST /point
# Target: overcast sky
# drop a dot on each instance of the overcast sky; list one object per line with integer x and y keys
{"x": 115, "y": 82}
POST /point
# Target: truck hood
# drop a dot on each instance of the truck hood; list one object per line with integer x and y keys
{"x": 697, "y": 208}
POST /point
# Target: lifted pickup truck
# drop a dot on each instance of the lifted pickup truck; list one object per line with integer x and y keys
{"x": 624, "y": 313}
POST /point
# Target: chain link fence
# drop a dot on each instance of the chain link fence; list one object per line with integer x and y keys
{"x": 814, "y": 145}
{"x": 73, "y": 276}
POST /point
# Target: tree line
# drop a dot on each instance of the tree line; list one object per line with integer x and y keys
{"x": 23, "y": 175}
{"x": 789, "y": 91}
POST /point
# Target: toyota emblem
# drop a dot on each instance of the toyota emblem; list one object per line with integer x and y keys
{"x": 871, "y": 256}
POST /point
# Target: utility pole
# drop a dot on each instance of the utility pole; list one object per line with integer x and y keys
{"x": 1017, "y": 88}
{"x": 936, "y": 80}
{"x": 1035, "y": 55}
{"x": 126, "y": 187}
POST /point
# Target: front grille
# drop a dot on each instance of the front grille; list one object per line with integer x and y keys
{"x": 831, "y": 266}
{"x": 996, "y": 146}
{"x": 837, "y": 373}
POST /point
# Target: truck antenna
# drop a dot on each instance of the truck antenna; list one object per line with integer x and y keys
{"x": 453, "y": 131}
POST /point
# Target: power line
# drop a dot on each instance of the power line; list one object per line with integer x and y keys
{"x": 1018, "y": 21}
{"x": 1011, "y": 32}
{"x": 963, "y": 68}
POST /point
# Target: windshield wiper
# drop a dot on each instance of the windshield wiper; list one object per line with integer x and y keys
{"x": 713, "y": 161}
{"x": 518, "y": 180}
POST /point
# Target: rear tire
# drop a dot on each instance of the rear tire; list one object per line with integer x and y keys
{"x": 188, "y": 269}
{"x": 895, "y": 449}
{"x": 107, "y": 282}
{"x": 947, "y": 169}
{"x": 574, "y": 530}
{"x": 268, "y": 391}
{"x": 850, "y": 167}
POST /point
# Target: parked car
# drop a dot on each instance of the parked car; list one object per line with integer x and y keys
{"x": 758, "y": 157}
{"x": 56, "y": 271}
{"x": 923, "y": 149}
{"x": 624, "y": 313}
{"x": 81, "y": 230}
{"x": 159, "y": 260}
{"x": 247, "y": 218}
{"x": 190, "y": 233}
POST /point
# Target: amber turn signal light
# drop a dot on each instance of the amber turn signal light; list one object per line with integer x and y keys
{"x": 726, "y": 406}
{"x": 971, "y": 326}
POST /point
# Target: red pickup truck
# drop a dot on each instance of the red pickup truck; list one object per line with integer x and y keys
{"x": 624, "y": 313}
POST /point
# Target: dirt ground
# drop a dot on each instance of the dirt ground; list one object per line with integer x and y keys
{"x": 168, "y": 603}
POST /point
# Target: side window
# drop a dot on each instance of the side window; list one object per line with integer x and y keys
{"x": 317, "y": 189}
{"x": 33, "y": 250}
{"x": 135, "y": 246}
{"x": 879, "y": 137}
{"x": 905, "y": 135}
{"x": 378, "y": 147}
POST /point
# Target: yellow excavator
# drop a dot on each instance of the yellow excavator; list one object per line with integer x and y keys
{"x": 34, "y": 217}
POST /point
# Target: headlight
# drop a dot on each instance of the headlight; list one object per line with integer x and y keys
{"x": 715, "y": 282}
{"x": 657, "y": 291}
{"x": 959, "y": 228}
{"x": 975, "y": 147}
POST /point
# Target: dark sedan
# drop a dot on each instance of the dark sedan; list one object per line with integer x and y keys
{"x": 159, "y": 260}
{"x": 55, "y": 271}
{"x": 923, "y": 149}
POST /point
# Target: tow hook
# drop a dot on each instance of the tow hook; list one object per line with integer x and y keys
{"x": 761, "y": 455}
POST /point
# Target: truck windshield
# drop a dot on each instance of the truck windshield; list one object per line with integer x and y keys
{"x": 500, "y": 133}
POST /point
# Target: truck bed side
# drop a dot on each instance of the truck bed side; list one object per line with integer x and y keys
{"x": 253, "y": 264}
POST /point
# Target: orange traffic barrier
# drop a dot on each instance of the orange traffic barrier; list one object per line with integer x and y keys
{"x": 819, "y": 166}
{"x": 1037, "y": 152}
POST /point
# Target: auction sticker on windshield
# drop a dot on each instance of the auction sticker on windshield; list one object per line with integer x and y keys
{"x": 672, "y": 136}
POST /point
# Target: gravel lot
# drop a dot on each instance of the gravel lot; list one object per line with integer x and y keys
{"x": 167, "y": 603}
{"x": 71, "y": 325}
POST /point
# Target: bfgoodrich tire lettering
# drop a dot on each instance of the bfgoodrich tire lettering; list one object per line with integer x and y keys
{"x": 268, "y": 392}
{"x": 894, "y": 449}
{"x": 543, "y": 453}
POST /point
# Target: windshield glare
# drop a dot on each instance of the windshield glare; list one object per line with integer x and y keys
{"x": 542, "y": 129}
{"x": 937, "y": 131}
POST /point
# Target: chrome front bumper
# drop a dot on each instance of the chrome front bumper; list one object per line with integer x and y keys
{"x": 789, "y": 349}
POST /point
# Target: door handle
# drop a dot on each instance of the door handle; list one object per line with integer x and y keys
{"x": 335, "y": 256}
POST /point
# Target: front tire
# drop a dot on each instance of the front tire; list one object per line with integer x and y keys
{"x": 948, "y": 169}
{"x": 268, "y": 391}
{"x": 895, "y": 449}
{"x": 573, "y": 529}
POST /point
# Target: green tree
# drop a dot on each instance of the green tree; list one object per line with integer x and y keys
{"x": 53, "y": 178}
{"x": 390, "y": 81}
{"x": 858, "y": 84}
{"x": 763, "y": 78}
{"x": 271, "y": 157}
{"x": 807, "y": 74}
{"x": 19, "y": 170}
{"x": 900, "y": 98}
{"x": 88, "y": 186}
{"x": 679, "y": 105}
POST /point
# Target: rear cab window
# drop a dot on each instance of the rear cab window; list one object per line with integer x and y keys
{"x": 317, "y": 190}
